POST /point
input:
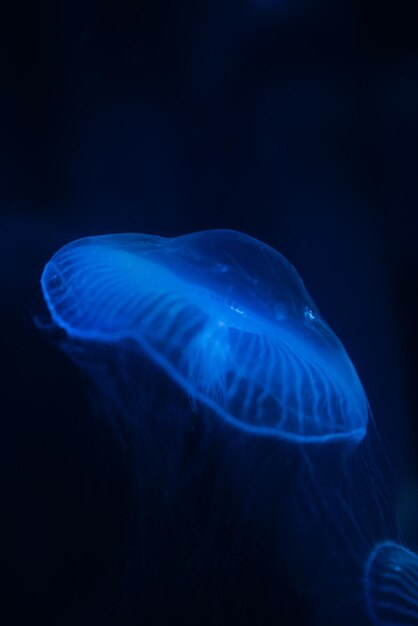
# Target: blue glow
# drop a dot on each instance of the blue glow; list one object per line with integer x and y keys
{"x": 226, "y": 316}
{"x": 391, "y": 585}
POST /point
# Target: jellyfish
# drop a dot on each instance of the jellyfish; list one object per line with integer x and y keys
{"x": 391, "y": 585}
{"x": 210, "y": 355}
{"x": 227, "y": 317}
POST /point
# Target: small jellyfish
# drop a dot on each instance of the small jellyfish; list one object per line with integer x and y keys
{"x": 227, "y": 317}
{"x": 391, "y": 585}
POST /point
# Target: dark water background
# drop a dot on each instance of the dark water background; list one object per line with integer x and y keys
{"x": 294, "y": 121}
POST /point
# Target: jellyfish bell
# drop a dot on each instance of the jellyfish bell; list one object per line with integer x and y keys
{"x": 227, "y": 317}
{"x": 391, "y": 585}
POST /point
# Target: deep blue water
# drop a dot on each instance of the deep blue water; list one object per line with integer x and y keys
{"x": 294, "y": 122}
